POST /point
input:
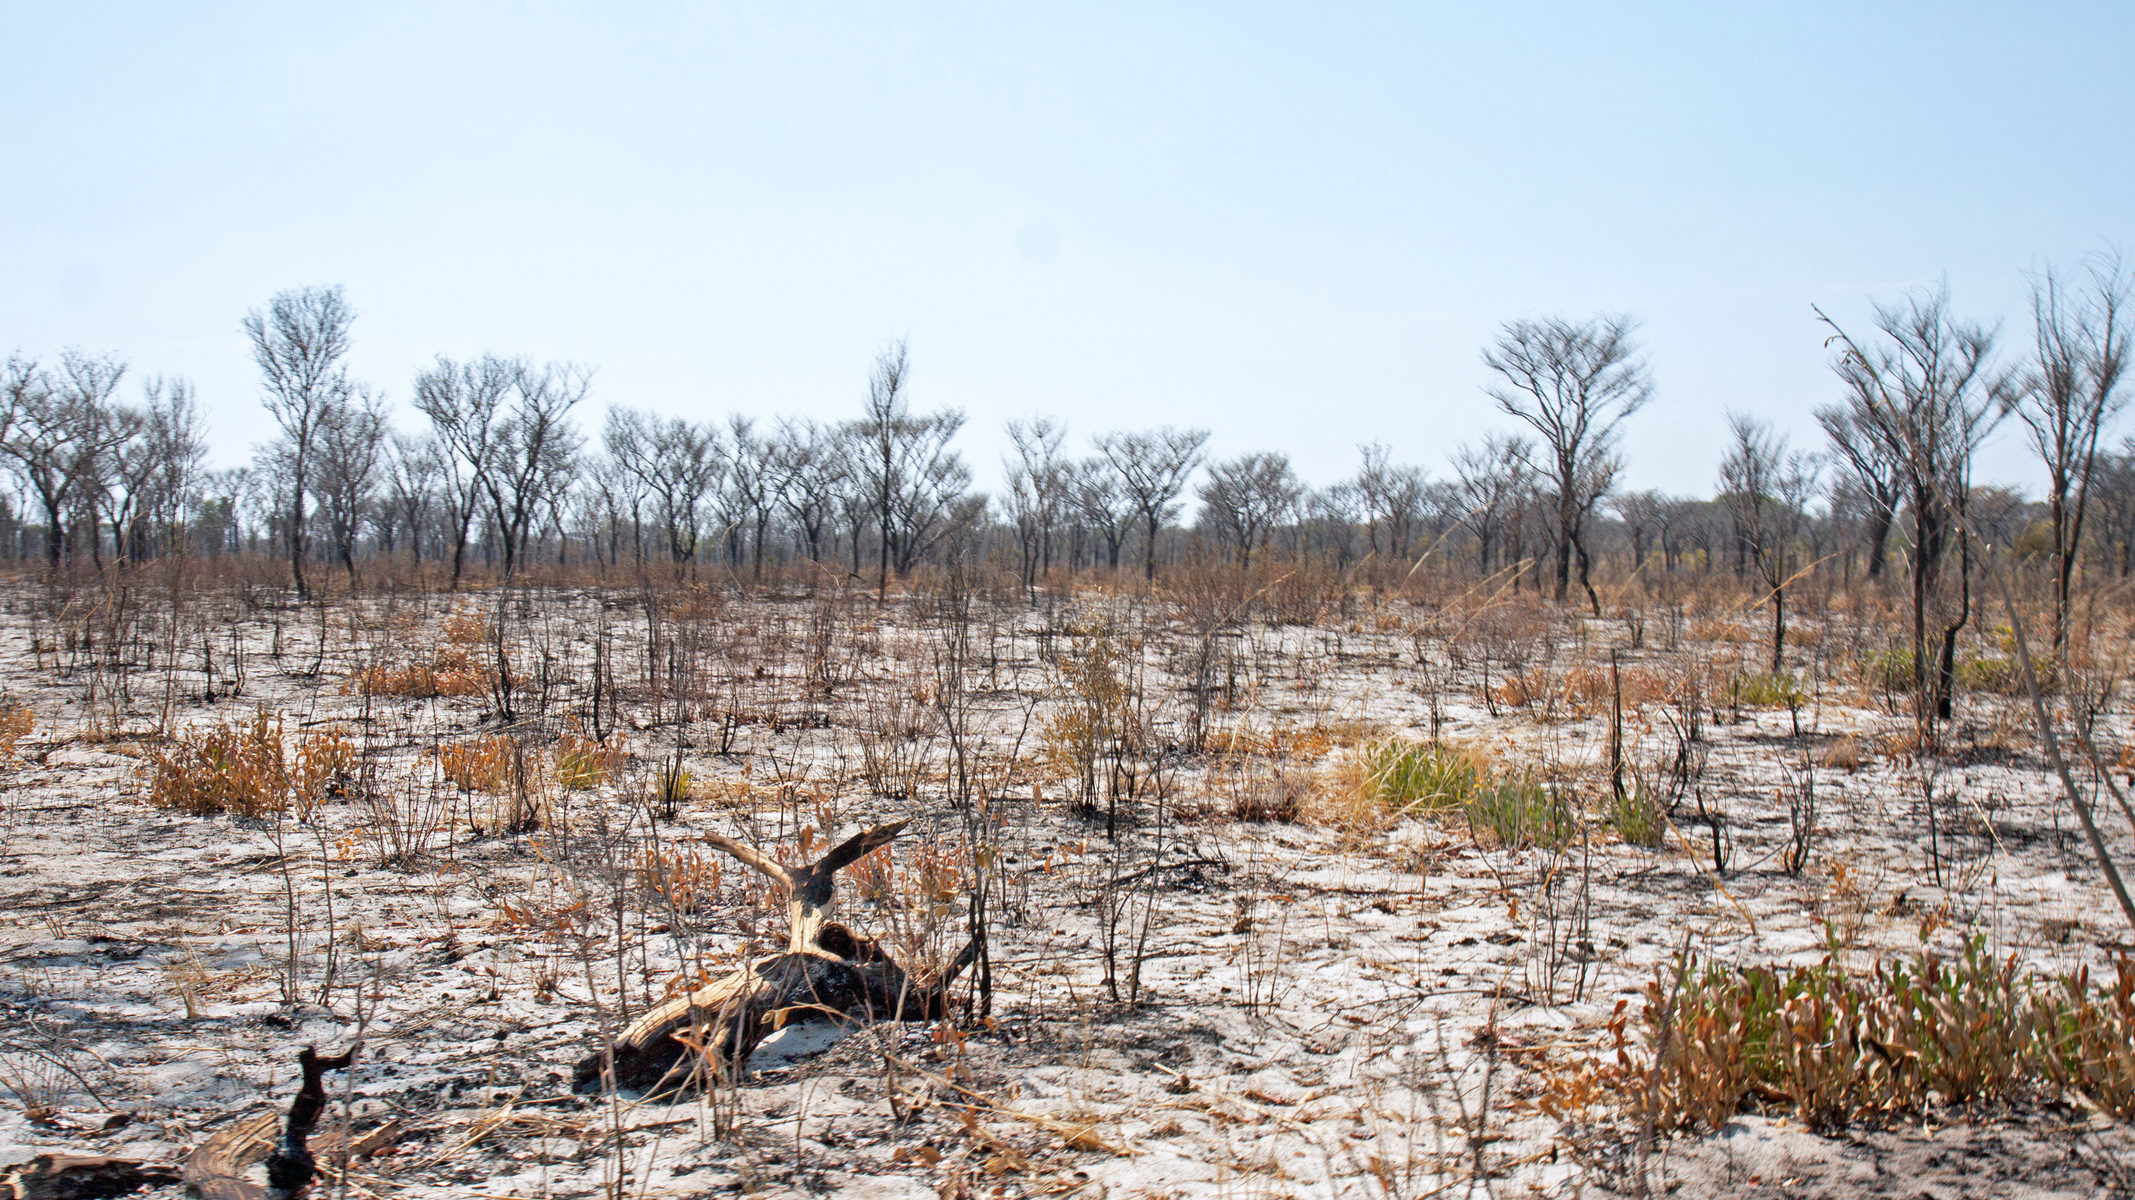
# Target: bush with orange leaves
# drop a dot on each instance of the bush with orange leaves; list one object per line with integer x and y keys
{"x": 247, "y": 770}
{"x": 16, "y": 722}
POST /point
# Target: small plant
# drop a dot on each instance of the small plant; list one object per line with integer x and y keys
{"x": 1637, "y": 818}
{"x": 1766, "y": 690}
{"x": 480, "y": 765}
{"x": 1832, "y": 1047}
{"x": 236, "y": 769}
{"x": 679, "y": 878}
{"x": 1412, "y": 777}
{"x": 450, "y": 672}
{"x": 671, "y": 786}
{"x": 583, "y": 763}
{"x": 16, "y": 721}
{"x": 1520, "y": 811}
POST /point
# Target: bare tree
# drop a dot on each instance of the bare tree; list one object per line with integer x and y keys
{"x": 1038, "y": 484}
{"x": 1392, "y": 498}
{"x": 156, "y": 469}
{"x": 464, "y": 402}
{"x": 758, "y": 478}
{"x": 412, "y": 467}
{"x": 351, "y": 442}
{"x": 1574, "y": 384}
{"x": 1494, "y": 480}
{"x": 903, "y": 466}
{"x": 1929, "y": 389}
{"x": 1766, "y": 488}
{"x": 298, "y": 343}
{"x": 680, "y": 464}
{"x": 536, "y": 447}
{"x": 1102, "y": 505}
{"x": 1247, "y": 496}
{"x": 815, "y": 467}
{"x": 61, "y": 426}
{"x": 1153, "y": 467}
{"x": 2073, "y": 394}
{"x": 1875, "y": 470}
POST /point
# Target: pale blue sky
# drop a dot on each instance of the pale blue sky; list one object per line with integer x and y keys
{"x": 1293, "y": 225}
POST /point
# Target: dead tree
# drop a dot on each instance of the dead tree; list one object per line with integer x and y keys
{"x": 827, "y": 971}
{"x": 298, "y": 344}
{"x": 1575, "y": 384}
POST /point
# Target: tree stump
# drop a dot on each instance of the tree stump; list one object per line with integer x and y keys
{"x": 826, "y": 972}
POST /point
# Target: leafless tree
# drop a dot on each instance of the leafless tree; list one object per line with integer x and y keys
{"x": 1153, "y": 467}
{"x": 1101, "y": 505}
{"x": 1038, "y": 485}
{"x": 536, "y": 447}
{"x": 1245, "y": 497}
{"x": 464, "y": 402}
{"x": 759, "y": 475}
{"x": 679, "y": 463}
{"x": 1392, "y": 498}
{"x": 156, "y": 469}
{"x": 61, "y": 426}
{"x": 1928, "y": 388}
{"x": 1873, "y": 468}
{"x": 1766, "y": 488}
{"x": 351, "y": 438}
{"x": 411, "y": 468}
{"x": 815, "y": 466}
{"x": 1494, "y": 479}
{"x": 1644, "y": 515}
{"x": 2072, "y": 395}
{"x": 903, "y": 466}
{"x": 1574, "y": 384}
{"x": 298, "y": 343}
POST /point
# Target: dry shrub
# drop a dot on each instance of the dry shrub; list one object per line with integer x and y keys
{"x": 480, "y": 765}
{"x": 1523, "y": 689}
{"x": 1846, "y": 754}
{"x": 681, "y": 878}
{"x": 451, "y": 672}
{"x": 466, "y": 628}
{"x": 246, "y": 770}
{"x": 582, "y": 763}
{"x": 16, "y": 721}
{"x": 1832, "y": 1047}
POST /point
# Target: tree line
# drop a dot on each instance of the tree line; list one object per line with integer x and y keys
{"x": 503, "y": 473}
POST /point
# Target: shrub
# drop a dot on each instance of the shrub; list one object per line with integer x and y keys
{"x": 1520, "y": 811}
{"x": 16, "y": 721}
{"x": 583, "y": 763}
{"x": 450, "y": 672}
{"x": 1637, "y": 818}
{"x": 1412, "y": 777}
{"x": 1771, "y": 690}
{"x": 246, "y": 770}
{"x": 480, "y": 765}
{"x": 1832, "y": 1047}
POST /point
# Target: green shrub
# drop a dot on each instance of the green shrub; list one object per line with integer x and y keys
{"x": 1420, "y": 777}
{"x": 1637, "y": 819}
{"x": 1773, "y": 690}
{"x": 1890, "y": 670}
{"x": 1519, "y": 811}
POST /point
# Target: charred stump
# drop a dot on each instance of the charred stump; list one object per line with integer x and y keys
{"x": 826, "y": 972}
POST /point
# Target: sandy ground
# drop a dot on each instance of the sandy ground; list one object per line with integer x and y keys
{"x": 1317, "y": 1013}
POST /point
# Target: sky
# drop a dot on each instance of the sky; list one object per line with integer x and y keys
{"x": 1295, "y": 226}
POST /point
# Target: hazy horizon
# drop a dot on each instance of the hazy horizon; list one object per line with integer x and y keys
{"x": 1297, "y": 232}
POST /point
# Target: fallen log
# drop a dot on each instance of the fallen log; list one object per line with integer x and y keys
{"x": 828, "y": 972}
{"x": 73, "y": 1177}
